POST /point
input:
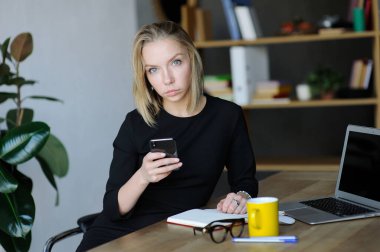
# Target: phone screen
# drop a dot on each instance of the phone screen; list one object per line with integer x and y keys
{"x": 165, "y": 145}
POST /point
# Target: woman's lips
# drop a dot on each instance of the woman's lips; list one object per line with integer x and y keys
{"x": 172, "y": 92}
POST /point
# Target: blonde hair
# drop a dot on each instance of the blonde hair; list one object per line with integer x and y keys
{"x": 148, "y": 102}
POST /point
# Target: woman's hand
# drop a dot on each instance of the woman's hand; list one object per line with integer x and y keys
{"x": 233, "y": 204}
{"x": 156, "y": 167}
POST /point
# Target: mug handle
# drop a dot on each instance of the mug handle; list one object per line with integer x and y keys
{"x": 253, "y": 216}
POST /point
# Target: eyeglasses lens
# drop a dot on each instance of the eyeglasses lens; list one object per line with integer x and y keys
{"x": 219, "y": 233}
{"x": 236, "y": 229}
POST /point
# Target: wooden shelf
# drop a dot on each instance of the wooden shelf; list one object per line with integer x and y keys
{"x": 285, "y": 39}
{"x": 299, "y": 164}
{"x": 314, "y": 103}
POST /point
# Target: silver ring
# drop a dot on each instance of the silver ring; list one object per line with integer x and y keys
{"x": 236, "y": 201}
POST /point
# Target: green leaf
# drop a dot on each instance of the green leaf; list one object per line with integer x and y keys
{"x": 17, "y": 209}
{"x": 19, "y": 81}
{"x": 4, "y": 49}
{"x": 49, "y": 175}
{"x": 43, "y": 98}
{"x": 4, "y": 69}
{"x": 8, "y": 183}
{"x": 22, "y": 143}
{"x": 55, "y": 156}
{"x": 12, "y": 115}
{"x": 14, "y": 244}
{"x": 53, "y": 160}
{"x": 5, "y": 74}
{"x": 6, "y": 95}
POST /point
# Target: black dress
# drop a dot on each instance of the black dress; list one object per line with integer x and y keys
{"x": 215, "y": 138}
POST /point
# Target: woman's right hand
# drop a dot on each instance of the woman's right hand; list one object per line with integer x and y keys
{"x": 156, "y": 167}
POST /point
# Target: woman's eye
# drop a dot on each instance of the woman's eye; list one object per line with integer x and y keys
{"x": 152, "y": 70}
{"x": 177, "y": 62}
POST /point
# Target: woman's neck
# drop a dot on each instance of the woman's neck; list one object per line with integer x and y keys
{"x": 180, "y": 109}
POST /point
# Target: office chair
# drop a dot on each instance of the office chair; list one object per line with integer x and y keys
{"x": 83, "y": 224}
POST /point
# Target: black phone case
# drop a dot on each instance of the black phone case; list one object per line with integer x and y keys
{"x": 167, "y": 146}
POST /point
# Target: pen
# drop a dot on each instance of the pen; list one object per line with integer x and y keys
{"x": 284, "y": 239}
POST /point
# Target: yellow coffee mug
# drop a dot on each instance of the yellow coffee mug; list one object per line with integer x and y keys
{"x": 263, "y": 216}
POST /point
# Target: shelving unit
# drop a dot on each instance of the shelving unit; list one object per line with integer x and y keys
{"x": 314, "y": 103}
{"x": 314, "y": 163}
{"x": 285, "y": 39}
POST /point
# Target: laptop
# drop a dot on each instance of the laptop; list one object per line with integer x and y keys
{"x": 357, "y": 191}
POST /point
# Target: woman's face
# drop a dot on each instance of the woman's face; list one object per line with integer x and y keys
{"x": 167, "y": 67}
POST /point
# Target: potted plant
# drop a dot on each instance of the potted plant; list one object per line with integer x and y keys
{"x": 324, "y": 82}
{"x": 22, "y": 140}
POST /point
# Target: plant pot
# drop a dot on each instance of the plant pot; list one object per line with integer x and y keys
{"x": 329, "y": 95}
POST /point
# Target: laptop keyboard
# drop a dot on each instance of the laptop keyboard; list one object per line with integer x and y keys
{"x": 337, "y": 207}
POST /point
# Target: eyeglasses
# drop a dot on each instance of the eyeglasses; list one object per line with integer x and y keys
{"x": 218, "y": 232}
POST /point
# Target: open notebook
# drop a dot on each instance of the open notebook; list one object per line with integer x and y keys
{"x": 357, "y": 192}
{"x": 202, "y": 217}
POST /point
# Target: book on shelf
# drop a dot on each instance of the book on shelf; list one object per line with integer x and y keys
{"x": 219, "y": 86}
{"x": 368, "y": 14}
{"x": 284, "y": 100}
{"x": 352, "y": 5}
{"x": 361, "y": 72}
{"x": 248, "y": 65}
{"x": 233, "y": 27}
{"x": 201, "y": 217}
{"x": 356, "y": 71}
{"x": 366, "y": 5}
{"x": 188, "y": 20}
{"x": 248, "y": 24}
{"x": 272, "y": 91}
{"x": 247, "y": 18}
{"x": 242, "y": 20}
{"x": 203, "y": 25}
{"x": 245, "y": 22}
{"x": 332, "y": 31}
{"x": 367, "y": 73}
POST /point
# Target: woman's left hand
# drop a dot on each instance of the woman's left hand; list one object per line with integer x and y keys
{"x": 233, "y": 204}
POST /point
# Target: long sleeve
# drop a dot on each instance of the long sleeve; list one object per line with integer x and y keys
{"x": 123, "y": 166}
{"x": 241, "y": 164}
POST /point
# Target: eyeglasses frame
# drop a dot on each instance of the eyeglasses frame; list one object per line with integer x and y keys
{"x": 209, "y": 228}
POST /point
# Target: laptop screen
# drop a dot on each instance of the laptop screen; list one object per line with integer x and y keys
{"x": 361, "y": 167}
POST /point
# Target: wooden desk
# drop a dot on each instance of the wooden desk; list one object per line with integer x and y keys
{"x": 357, "y": 235}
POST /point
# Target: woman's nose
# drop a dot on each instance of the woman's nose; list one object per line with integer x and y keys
{"x": 168, "y": 77}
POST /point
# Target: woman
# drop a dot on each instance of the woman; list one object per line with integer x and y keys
{"x": 145, "y": 187}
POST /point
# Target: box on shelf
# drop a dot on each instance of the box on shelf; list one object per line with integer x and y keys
{"x": 248, "y": 66}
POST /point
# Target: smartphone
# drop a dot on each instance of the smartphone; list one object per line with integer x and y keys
{"x": 165, "y": 145}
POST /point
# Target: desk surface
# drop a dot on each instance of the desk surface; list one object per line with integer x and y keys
{"x": 357, "y": 235}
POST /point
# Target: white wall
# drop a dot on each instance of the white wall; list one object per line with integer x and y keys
{"x": 81, "y": 55}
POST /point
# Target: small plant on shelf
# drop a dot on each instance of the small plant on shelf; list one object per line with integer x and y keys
{"x": 324, "y": 82}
